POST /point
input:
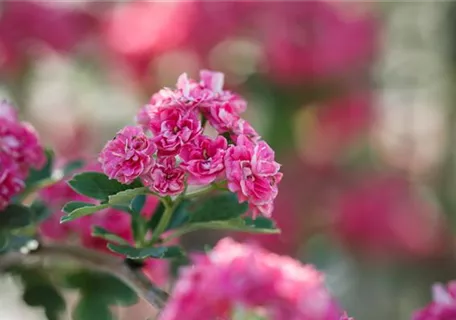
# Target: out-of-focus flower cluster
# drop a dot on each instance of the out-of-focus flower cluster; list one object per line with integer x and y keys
{"x": 80, "y": 230}
{"x": 443, "y": 306}
{"x": 169, "y": 150}
{"x": 20, "y": 150}
{"x": 235, "y": 278}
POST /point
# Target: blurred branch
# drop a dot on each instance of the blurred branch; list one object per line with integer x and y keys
{"x": 131, "y": 275}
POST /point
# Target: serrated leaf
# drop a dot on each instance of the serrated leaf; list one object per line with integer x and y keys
{"x": 124, "y": 198}
{"x": 76, "y": 209}
{"x": 220, "y": 207}
{"x": 249, "y": 225}
{"x": 142, "y": 253}
{"x": 73, "y": 166}
{"x": 109, "y": 236}
{"x": 98, "y": 186}
{"x": 15, "y": 216}
{"x": 35, "y": 176}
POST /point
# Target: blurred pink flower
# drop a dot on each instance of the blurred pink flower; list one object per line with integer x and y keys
{"x": 166, "y": 178}
{"x": 253, "y": 174}
{"x": 443, "y": 306}
{"x": 128, "y": 155}
{"x": 11, "y": 181}
{"x": 235, "y": 275}
{"x": 336, "y": 125}
{"x": 203, "y": 159}
{"x": 26, "y": 24}
{"x": 317, "y": 39}
{"x": 385, "y": 215}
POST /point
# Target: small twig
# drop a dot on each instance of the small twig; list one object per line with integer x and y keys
{"x": 91, "y": 259}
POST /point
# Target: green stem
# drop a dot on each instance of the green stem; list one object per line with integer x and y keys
{"x": 35, "y": 188}
{"x": 165, "y": 219}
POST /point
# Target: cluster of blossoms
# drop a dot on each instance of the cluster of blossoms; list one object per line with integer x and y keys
{"x": 169, "y": 150}
{"x": 80, "y": 230}
{"x": 443, "y": 306}
{"x": 235, "y": 277}
{"x": 20, "y": 150}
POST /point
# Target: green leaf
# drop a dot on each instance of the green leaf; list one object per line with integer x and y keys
{"x": 98, "y": 186}
{"x": 89, "y": 308}
{"x": 4, "y": 241}
{"x": 37, "y": 175}
{"x": 137, "y": 204}
{"x": 72, "y": 166}
{"x": 180, "y": 216}
{"x": 156, "y": 216}
{"x": 77, "y": 209}
{"x": 125, "y": 197}
{"x": 105, "y": 234}
{"x": 103, "y": 287}
{"x": 249, "y": 225}
{"x": 15, "y": 216}
{"x": 142, "y": 253}
{"x": 220, "y": 207}
{"x": 39, "y": 291}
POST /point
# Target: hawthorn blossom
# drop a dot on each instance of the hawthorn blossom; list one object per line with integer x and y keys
{"x": 253, "y": 174}
{"x": 128, "y": 155}
{"x": 19, "y": 141}
{"x": 203, "y": 159}
{"x": 235, "y": 275}
{"x": 166, "y": 178}
{"x": 11, "y": 181}
{"x": 443, "y": 306}
{"x": 173, "y": 127}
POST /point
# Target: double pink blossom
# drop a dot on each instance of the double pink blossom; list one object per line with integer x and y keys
{"x": 253, "y": 174}
{"x": 443, "y": 306}
{"x": 19, "y": 141}
{"x": 204, "y": 159}
{"x": 128, "y": 155}
{"x": 11, "y": 181}
{"x": 235, "y": 275}
{"x": 166, "y": 178}
{"x": 173, "y": 127}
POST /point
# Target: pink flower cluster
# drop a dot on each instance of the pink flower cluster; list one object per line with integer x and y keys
{"x": 112, "y": 220}
{"x": 443, "y": 306}
{"x": 20, "y": 150}
{"x": 235, "y": 276}
{"x": 169, "y": 150}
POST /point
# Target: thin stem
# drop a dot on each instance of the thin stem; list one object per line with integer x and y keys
{"x": 91, "y": 259}
{"x": 165, "y": 219}
{"x": 35, "y": 188}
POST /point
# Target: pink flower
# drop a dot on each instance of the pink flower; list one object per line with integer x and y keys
{"x": 222, "y": 116}
{"x": 19, "y": 141}
{"x": 235, "y": 275}
{"x": 128, "y": 155}
{"x": 165, "y": 178}
{"x": 11, "y": 181}
{"x": 203, "y": 159}
{"x": 443, "y": 306}
{"x": 173, "y": 127}
{"x": 253, "y": 174}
